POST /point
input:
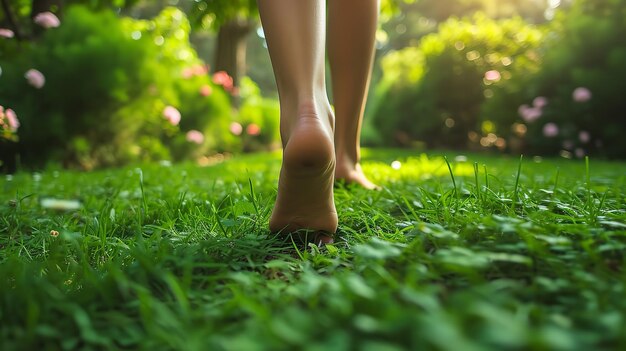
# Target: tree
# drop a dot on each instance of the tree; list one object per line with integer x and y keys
{"x": 233, "y": 20}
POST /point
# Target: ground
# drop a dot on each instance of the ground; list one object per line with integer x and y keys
{"x": 490, "y": 253}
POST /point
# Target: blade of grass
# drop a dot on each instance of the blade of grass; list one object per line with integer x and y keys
{"x": 516, "y": 190}
{"x": 456, "y": 191}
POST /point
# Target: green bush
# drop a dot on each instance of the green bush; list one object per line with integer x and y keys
{"x": 585, "y": 53}
{"x": 108, "y": 83}
{"x": 91, "y": 67}
{"x": 433, "y": 93}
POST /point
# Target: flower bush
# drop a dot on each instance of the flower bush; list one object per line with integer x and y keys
{"x": 508, "y": 85}
{"x": 98, "y": 90}
{"x": 258, "y": 120}
{"x": 580, "y": 82}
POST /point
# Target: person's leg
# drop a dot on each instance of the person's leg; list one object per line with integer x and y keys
{"x": 351, "y": 37}
{"x": 295, "y": 33}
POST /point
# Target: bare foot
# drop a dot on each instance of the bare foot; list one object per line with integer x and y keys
{"x": 352, "y": 173}
{"x": 305, "y": 187}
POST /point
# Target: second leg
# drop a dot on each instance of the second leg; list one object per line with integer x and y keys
{"x": 351, "y": 37}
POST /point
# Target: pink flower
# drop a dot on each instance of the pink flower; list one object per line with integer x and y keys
{"x": 6, "y": 33}
{"x": 581, "y": 94}
{"x": 540, "y": 102}
{"x": 35, "y": 78}
{"x": 200, "y": 70}
{"x": 253, "y": 129}
{"x": 584, "y": 136}
{"x": 492, "y": 75}
{"x": 550, "y": 130}
{"x": 14, "y": 123}
{"x": 236, "y": 128}
{"x": 194, "y": 136}
{"x": 47, "y": 20}
{"x": 222, "y": 78}
{"x": 172, "y": 115}
{"x": 197, "y": 70}
{"x": 187, "y": 73}
{"x": 529, "y": 114}
{"x": 206, "y": 90}
{"x": 522, "y": 110}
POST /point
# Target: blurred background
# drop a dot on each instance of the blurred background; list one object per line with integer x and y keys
{"x": 99, "y": 83}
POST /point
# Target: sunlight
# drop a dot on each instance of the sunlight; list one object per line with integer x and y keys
{"x": 417, "y": 167}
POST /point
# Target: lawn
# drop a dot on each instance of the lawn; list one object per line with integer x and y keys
{"x": 486, "y": 253}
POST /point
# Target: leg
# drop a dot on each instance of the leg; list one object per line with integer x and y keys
{"x": 351, "y": 37}
{"x": 295, "y": 32}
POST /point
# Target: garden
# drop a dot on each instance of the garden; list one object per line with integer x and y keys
{"x": 140, "y": 152}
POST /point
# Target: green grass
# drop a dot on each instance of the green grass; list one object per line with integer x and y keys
{"x": 486, "y": 254}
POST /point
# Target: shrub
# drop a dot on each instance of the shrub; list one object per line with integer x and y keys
{"x": 433, "y": 93}
{"x": 91, "y": 68}
{"x": 108, "y": 85}
{"x": 581, "y": 79}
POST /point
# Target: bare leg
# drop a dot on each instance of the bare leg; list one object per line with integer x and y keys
{"x": 351, "y": 37}
{"x": 295, "y": 33}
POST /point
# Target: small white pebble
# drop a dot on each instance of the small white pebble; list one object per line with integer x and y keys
{"x": 60, "y": 204}
{"x": 461, "y": 158}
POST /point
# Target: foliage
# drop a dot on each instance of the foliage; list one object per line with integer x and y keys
{"x": 584, "y": 52}
{"x": 215, "y": 13}
{"x": 484, "y": 263}
{"x": 433, "y": 92}
{"x": 22, "y": 11}
{"x": 264, "y": 113}
{"x": 108, "y": 81}
{"x": 441, "y": 10}
{"x": 91, "y": 66}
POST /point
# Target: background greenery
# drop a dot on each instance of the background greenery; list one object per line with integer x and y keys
{"x": 437, "y": 92}
{"x": 450, "y": 74}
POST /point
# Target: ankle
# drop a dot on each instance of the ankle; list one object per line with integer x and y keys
{"x": 295, "y": 106}
{"x": 347, "y": 160}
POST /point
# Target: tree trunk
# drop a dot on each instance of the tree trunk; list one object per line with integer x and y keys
{"x": 230, "y": 54}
